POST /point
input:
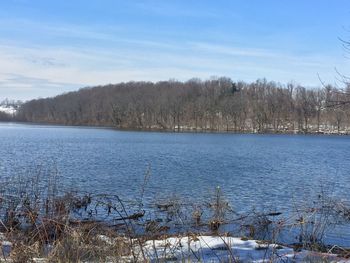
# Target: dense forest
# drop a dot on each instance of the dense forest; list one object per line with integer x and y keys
{"x": 5, "y": 116}
{"x": 214, "y": 105}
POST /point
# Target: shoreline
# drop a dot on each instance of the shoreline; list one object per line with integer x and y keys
{"x": 95, "y": 227}
{"x": 176, "y": 131}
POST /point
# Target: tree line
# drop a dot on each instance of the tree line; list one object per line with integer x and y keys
{"x": 218, "y": 104}
{"x": 5, "y": 116}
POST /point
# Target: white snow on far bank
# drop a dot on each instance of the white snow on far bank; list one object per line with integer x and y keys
{"x": 228, "y": 249}
{"x": 8, "y": 109}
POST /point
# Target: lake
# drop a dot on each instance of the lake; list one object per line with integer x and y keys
{"x": 270, "y": 172}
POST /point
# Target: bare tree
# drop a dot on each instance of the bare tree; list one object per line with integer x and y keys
{"x": 216, "y": 104}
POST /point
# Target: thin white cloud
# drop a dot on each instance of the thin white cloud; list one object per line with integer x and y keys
{"x": 24, "y": 87}
{"x": 232, "y": 51}
{"x": 61, "y": 30}
{"x": 53, "y": 68}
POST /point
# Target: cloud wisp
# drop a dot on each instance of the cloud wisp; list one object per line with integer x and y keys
{"x": 72, "y": 56}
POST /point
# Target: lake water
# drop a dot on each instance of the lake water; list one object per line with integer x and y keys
{"x": 262, "y": 171}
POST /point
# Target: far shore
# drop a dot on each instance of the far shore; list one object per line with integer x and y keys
{"x": 185, "y": 129}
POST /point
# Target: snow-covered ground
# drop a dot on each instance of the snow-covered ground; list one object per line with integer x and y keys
{"x": 212, "y": 249}
{"x": 228, "y": 249}
{"x": 8, "y": 109}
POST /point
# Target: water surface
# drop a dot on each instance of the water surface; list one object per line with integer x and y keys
{"x": 262, "y": 171}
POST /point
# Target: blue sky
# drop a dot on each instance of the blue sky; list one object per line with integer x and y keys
{"x": 50, "y": 47}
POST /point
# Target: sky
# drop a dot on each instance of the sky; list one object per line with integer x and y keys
{"x": 51, "y": 47}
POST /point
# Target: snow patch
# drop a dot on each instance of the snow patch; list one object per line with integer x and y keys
{"x": 225, "y": 249}
{"x": 8, "y": 109}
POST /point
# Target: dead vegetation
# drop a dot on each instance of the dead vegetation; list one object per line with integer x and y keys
{"x": 39, "y": 221}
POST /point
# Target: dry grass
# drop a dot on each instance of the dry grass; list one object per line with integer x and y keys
{"x": 42, "y": 222}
